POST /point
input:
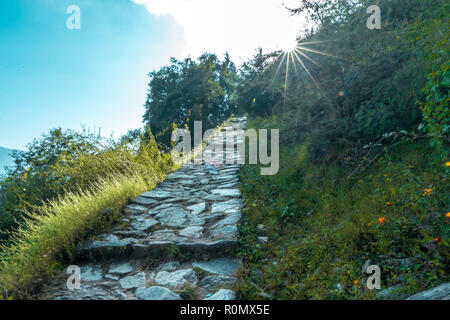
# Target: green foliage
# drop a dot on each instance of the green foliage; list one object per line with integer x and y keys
{"x": 323, "y": 226}
{"x": 32, "y": 180}
{"x": 40, "y": 247}
{"x": 188, "y": 91}
{"x": 436, "y": 107}
{"x": 334, "y": 205}
{"x": 364, "y": 84}
{"x": 67, "y": 161}
{"x": 328, "y": 210}
{"x": 71, "y": 187}
{"x": 256, "y": 94}
{"x": 430, "y": 37}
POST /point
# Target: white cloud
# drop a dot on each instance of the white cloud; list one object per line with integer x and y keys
{"x": 237, "y": 26}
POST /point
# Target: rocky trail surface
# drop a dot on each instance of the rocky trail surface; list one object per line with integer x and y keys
{"x": 175, "y": 242}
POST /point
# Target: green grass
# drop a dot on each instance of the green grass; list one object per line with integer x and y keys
{"x": 100, "y": 186}
{"x": 49, "y": 237}
{"x": 323, "y": 227}
{"x": 104, "y": 184}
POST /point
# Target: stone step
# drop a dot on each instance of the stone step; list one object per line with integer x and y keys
{"x": 191, "y": 219}
{"x": 133, "y": 249}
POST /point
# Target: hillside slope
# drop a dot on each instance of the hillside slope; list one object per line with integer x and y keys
{"x": 5, "y": 158}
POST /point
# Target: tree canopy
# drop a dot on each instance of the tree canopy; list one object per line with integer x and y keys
{"x": 190, "y": 90}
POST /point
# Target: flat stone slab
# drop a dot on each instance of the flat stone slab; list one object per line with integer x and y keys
{"x": 441, "y": 292}
{"x": 164, "y": 235}
{"x": 227, "y": 192}
{"x": 112, "y": 242}
{"x": 160, "y": 207}
{"x": 229, "y": 185}
{"x": 231, "y": 219}
{"x": 156, "y": 293}
{"x": 175, "y": 217}
{"x": 230, "y": 206}
{"x": 156, "y": 194}
{"x": 177, "y": 176}
{"x": 153, "y": 249}
{"x": 210, "y": 247}
{"x": 121, "y": 268}
{"x": 144, "y": 201}
{"x": 226, "y": 232}
{"x": 220, "y": 266}
{"x": 195, "y": 232}
{"x": 86, "y": 292}
{"x": 169, "y": 266}
{"x": 112, "y": 277}
{"x": 177, "y": 278}
{"x": 212, "y": 282}
{"x": 195, "y": 221}
{"x": 136, "y": 209}
{"x": 144, "y": 224}
{"x": 131, "y": 233}
{"x": 91, "y": 273}
{"x": 214, "y": 197}
{"x": 225, "y": 177}
{"x": 197, "y": 208}
{"x": 135, "y": 281}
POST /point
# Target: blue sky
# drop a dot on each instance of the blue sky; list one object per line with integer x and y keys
{"x": 97, "y": 76}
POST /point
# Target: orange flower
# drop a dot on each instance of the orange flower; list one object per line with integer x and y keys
{"x": 382, "y": 220}
{"x": 427, "y": 192}
{"x": 356, "y": 282}
{"x": 447, "y": 215}
{"x": 447, "y": 164}
{"x": 437, "y": 240}
{"x": 389, "y": 204}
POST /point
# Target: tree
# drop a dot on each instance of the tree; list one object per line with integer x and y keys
{"x": 187, "y": 91}
{"x": 256, "y": 91}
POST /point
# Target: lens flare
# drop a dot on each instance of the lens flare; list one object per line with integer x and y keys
{"x": 289, "y": 45}
{"x": 293, "y": 52}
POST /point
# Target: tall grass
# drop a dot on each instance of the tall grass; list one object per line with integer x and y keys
{"x": 52, "y": 232}
{"x": 96, "y": 187}
{"x": 323, "y": 226}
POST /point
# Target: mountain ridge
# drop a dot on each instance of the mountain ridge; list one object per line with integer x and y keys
{"x": 5, "y": 158}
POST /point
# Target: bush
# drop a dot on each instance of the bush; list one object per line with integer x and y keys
{"x": 436, "y": 107}
{"x": 68, "y": 193}
{"x": 67, "y": 161}
{"x": 323, "y": 226}
{"x": 39, "y": 248}
{"x": 366, "y": 82}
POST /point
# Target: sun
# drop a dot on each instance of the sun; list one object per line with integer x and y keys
{"x": 295, "y": 52}
{"x": 289, "y": 44}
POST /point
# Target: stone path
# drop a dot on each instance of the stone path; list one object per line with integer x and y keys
{"x": 177, "y": 241}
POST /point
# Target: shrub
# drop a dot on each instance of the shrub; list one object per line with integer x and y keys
{"x": 85, "y": 192}
{"x": 323, "y": 226}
